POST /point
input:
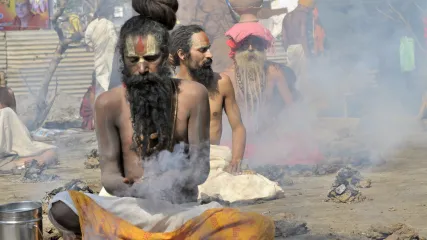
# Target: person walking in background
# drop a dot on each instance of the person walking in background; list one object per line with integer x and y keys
{"x": 101, "y": 36}
{"x": 87, "y": 106}
{"x": 7, "y": 97}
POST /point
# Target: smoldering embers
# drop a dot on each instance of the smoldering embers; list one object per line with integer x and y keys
{"x": 168, "y": 175}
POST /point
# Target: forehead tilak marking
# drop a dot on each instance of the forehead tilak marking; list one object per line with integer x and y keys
{"x": 152, "y": 48}
{"x": 130, "y": 48}
{"x": 140, "y": 45}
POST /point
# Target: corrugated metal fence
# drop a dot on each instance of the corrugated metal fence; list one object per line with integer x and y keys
{"x": 3, "y": 51}
{"x": 27, "y": 54}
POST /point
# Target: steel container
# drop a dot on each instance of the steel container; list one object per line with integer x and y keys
{"x": 21, "y": 221}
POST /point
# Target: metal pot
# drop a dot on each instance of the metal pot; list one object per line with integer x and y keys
{"x": 243, "y": 6}
{"x": 21, "y": 220}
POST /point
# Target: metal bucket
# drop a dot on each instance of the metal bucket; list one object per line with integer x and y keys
{"x": 21, "y": 220}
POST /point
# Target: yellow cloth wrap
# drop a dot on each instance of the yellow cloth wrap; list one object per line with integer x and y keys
{"x": 74, "y": 21}
{"x": 218, "y": 223}
{"x": 307, "y": 3}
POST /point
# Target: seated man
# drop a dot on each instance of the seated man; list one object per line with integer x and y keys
{"x": 264, "y": 89}
{"x": 87, "y": 106}
{"x": 7, "y": 97}
{"x": 138, "y": 129}
{"x": 257, "y": 82}
{"x": 16, "y": 145}
{"x": 190, "y": 51}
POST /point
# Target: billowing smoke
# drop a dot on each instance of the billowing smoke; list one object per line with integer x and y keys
{"x": 358, "y": 78}
{"x": 174, "y": 176}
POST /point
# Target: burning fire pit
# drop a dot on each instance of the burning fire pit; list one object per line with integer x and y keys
{"x": 345, "y": 189}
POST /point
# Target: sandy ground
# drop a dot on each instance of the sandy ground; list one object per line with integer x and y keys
{"x": 397, "y": 195}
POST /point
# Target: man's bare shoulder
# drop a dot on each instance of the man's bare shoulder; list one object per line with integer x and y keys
{"x": 192, "y": 89}
{"x": 224, "y": 82}
{"x": 229, "y": 71}
{"x": 110, "y": 100}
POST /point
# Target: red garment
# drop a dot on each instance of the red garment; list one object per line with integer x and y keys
{"x": 240, "y": 31}
{"x": 35, "y": 23}
{"x": 86, "y": 110}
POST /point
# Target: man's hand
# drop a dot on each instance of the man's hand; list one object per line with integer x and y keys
{"x": 130, "y": 181}
{"x": 233, "y": 167}
{"x": 234, "y": 118}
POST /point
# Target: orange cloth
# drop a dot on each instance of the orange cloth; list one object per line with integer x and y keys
{"x": 218, "y": 223}
{"x": 306, "y": 3}
{"x": 318, "y": 33}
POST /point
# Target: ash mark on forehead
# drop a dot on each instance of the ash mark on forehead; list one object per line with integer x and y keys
{"x": 142, "y": 46}
{"x": 130, "y": 49}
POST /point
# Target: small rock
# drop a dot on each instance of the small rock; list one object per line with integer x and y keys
{"x": 92, "y": 161}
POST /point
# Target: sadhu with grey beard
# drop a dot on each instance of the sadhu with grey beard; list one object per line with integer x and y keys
{"x": 190, "y": 50}
{"x": 255, "y": 79}
{"x": 138, "y": 125}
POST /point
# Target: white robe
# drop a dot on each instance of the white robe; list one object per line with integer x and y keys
{"x": 101, "y": 36}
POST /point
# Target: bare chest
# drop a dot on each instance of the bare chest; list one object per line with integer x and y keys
{"x": 126, "y": 130}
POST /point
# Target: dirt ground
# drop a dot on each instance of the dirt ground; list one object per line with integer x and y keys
{"x": 397, "y": 194}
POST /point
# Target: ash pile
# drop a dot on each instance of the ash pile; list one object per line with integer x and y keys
{"x": 49, "y": 231}
{"x": 35, "y": 172}
{"x": 288, "y": 226}
{"x": 398, "y": 231}
{"x": 73, "y": 185}
{"x": 276, "y": 173}
{"x": 92, "y": 161}
{"x": 345, "y": 188}
{"x": 283, "y": 173}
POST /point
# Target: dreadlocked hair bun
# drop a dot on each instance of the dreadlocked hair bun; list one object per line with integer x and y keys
{"x": 161, "y": 11}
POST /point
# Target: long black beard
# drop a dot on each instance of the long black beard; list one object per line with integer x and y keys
{"x": 150, "y": 97}
{"x": 205, "y": 75}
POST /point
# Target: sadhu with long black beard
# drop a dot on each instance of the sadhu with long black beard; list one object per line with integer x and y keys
{"x": 142, "y": 166}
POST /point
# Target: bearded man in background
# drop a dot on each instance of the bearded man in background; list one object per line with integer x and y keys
{"x": 255, "y": 79}
{"x": 263, "y": 90}
{"x": 190, "y": 50}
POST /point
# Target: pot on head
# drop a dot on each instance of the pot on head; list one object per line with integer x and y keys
{"x": 246, "y": 6}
